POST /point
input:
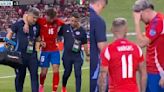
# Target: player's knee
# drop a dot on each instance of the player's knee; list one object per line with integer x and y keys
{"x": 55, "y": 68}
{"x": 43, "y": 74}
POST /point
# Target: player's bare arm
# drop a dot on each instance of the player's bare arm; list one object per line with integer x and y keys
{"x": 43, "y": 44}
{"x": 101, "y": 45}
{"x": 38, "y": 43}
{"x": 142, "y": 40}
{"x": 161, "y": 81}
{"x": 102, "y": 79}
{"x": 26, "y": 26}
{"x": 66, "y": 21}
{"x": 143, "y": 76}
{"x": 87, "y": 54}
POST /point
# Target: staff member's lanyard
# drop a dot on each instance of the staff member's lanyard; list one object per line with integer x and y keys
{"x": 73, "y": 35}
{"x": 30, "y": 46}
{"x": 77, "y": 43}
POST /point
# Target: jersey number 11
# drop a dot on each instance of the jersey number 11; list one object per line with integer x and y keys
{"x": 127, "y": 67}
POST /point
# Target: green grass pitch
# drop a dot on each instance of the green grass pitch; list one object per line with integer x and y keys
{"x": 7, "y": 79}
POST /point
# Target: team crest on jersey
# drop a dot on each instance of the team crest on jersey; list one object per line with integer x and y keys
{"x": 152, "y": 32}
{"x": 77, "y": 33}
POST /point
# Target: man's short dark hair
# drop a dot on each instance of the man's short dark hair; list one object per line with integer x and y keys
{"x": 94, "y": 1}
{"x": 34, "y": 11}
{"x": 51, "y": 13}
{"x": 76, "y": 15}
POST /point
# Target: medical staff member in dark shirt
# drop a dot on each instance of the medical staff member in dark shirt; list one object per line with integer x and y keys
{"x": 26, "y": 45}
{"x": 97, "y": 40}
{"x": 74, "y": 37}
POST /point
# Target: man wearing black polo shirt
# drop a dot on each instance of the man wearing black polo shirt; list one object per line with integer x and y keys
{"x": 26, "y": 45}
{"x": 74, "y": 37}
{"x": 97, "y": 40}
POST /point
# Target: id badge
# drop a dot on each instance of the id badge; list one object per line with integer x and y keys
{"x": 76, "y": 46}
{"x": 30, "y": 47}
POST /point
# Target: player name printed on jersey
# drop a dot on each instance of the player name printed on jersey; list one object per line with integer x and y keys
{"x": 125, "y": 48}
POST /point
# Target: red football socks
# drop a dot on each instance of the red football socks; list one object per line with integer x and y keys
{"x": 55, "y": 81}
{"x": 42, "y": 79}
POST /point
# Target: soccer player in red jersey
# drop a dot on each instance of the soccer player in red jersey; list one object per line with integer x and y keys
{"x": 153, "y": 40}
{"x": 121, "y": 60}
{"x": 49, "y": 26}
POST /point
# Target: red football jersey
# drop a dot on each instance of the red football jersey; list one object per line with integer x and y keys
{"x": 48, "y": 33}
{"x": 155, "y": 50}
{"x": 122, "y": 58}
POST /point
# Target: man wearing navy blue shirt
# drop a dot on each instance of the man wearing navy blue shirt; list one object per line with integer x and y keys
{"x": 26, "y": 45}
{"x": 97, "y": 40}
{"x": 74, "y": 37}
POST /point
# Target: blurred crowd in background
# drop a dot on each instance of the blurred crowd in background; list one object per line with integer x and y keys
{"x": 9, "y": 15}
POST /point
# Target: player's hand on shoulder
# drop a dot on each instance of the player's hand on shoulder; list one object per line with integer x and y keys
{"x": 66, "y": 21}
{"x": 43, "y": 44}
{"x": 26, "y": 28}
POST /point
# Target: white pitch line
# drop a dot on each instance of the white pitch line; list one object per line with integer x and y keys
{"x": 12, "y": 76}
{"x": 128, "y": 34}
